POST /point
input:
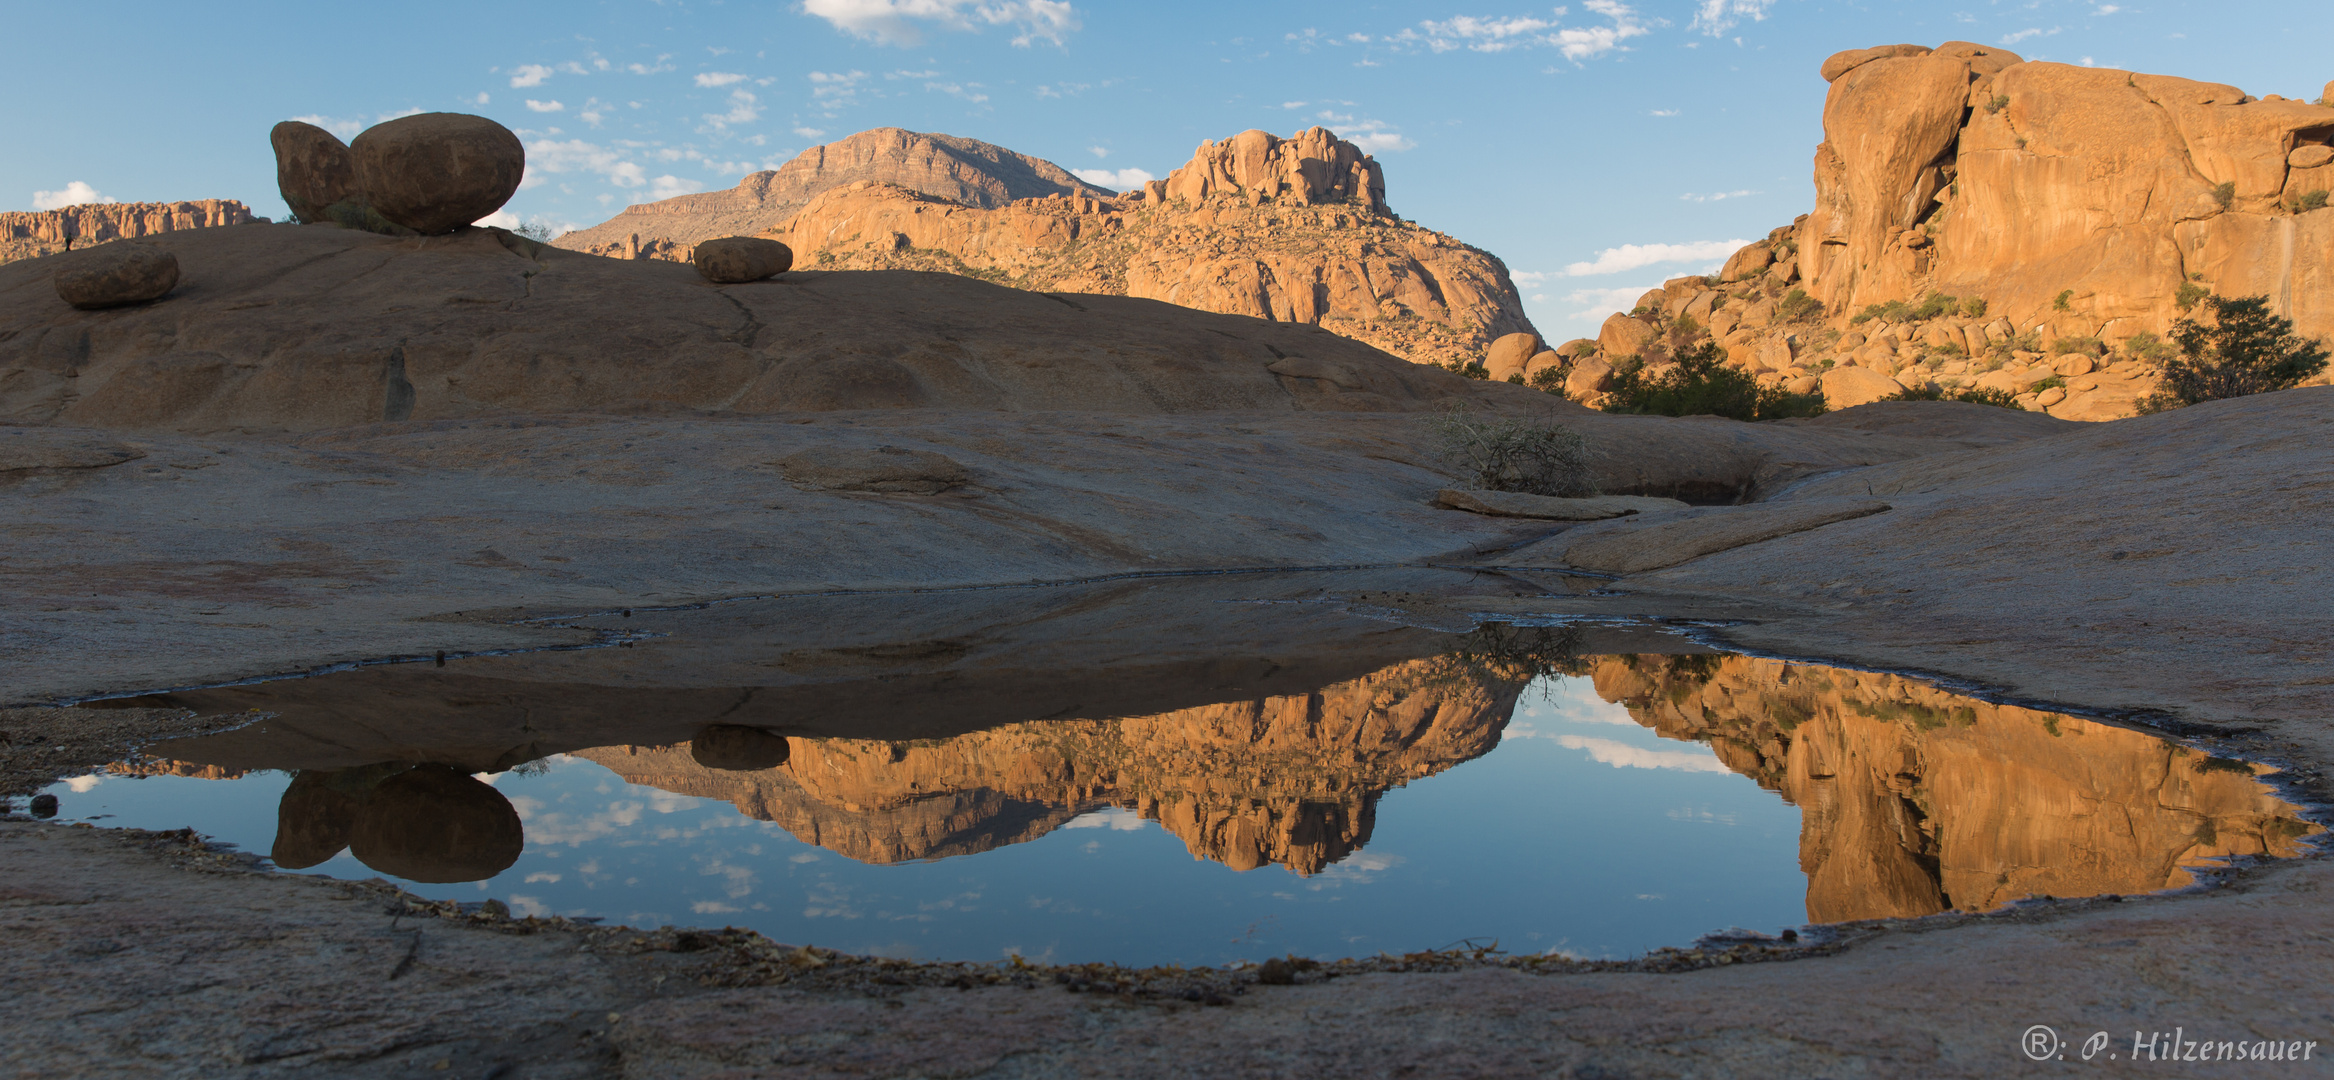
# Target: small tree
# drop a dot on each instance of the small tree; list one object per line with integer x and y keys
{"x": 2245, "y": 349}
{"x": 1508, "y": 454}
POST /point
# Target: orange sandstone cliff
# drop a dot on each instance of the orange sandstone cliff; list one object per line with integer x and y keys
{"x": 1916, "y": 800}
{"x": 27, "y": 235}
{"x": 2072, "y": 214}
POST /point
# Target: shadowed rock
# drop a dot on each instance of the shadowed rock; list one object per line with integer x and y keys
{"x": 885, "y": 468}
{"x": 312, "y": 821}
{"x": 434, "y": 824}
{"x": 117, "y": 275}
{"x": 732, "y": 260}
{"x": 436, "y": 172}
{"x": 314, "y": 170}
{"x": 738, "y": 749}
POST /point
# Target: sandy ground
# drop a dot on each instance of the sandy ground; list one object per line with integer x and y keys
{"x": 2166, "y": 570}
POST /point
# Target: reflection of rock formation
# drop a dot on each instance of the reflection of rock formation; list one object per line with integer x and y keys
{"x": 419, "y": 822}
{"x": 1292, "y": 780}
{"x": 1916, "y": 800}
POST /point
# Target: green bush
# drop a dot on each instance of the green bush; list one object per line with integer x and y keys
{"x": 1973, "y": 308}
{"x": 1892, "y": 311}
{"x": 1508, "y": 454}
{"x": 1473, "y": 369}
{"x": 1551, "y": 379}
{"x": 2060, "y": 302}
{"x": 1797, "y": 306}
{"x": 2146, "y": 346}
{"x": 2188, "y": 294}
{"x": 2245, "y": 349}
{"x": 1703, "y": 385}
{"x": 2225, "y": 194}
{"x": 2000, "y": 102}
{"x": 2304, "y": 203}
{"x": 2088, "y": 346}
{"x": 2052, "y": 383}
{"x": 1936, "y": 304}
{"x": 1975, "y": 396}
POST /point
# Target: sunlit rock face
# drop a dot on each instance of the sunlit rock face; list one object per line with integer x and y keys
{"x": 1291, "y": 780}
{"x": 1916, "y": 800}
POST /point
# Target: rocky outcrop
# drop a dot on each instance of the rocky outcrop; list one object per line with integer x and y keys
{"x": 1915, "y": 800}
{"x": 2069, "y": 214}
{"x": 30, "y": 235}
{"x": 965, "y": 171}
{"x": 1290, "y": 780}
{"x": 1293, "y": 230}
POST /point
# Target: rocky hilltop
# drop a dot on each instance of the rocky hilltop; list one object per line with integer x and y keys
{"x": 965, "y": 171}
{"x": 1291, "y": 780}
{"x": 29, "y": 235}
{"x": 1292, "y": 230}
{"x": 1917, "y": 800}
{"x": 1982, "y": 221}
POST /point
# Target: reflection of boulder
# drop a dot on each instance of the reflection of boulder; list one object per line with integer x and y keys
{"x": 737, "y": 749}
{"x": 434, "y": 824}
{"x": 1291, "y": 779}
{"x": 1916, "y": 800}
{"x": 312, "y": 821}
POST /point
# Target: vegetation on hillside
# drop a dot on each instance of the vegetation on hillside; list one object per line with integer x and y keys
{"x": 1701, "y": 384}
{"x": 2244, "y": 348}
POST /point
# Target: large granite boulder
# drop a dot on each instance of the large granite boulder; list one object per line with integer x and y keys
{"x": 437, "y": 172}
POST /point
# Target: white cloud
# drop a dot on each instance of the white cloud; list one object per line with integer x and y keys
{"x": 529, "y": 75}
{"x": 2106, "y": 9}
{"x": 481, "y": 99}
{"x": 668, "y": 186}
{"x": 1716, "y": 17}
{"x": 718, "y": 78}
{"x": 544, "y": 106}
{"x": 968, "y": 91}
{"x": 1099, "y": 151}
{"x": 742, "y": 110}
{"x": 1576, "y": 43}
{"x": 1594, "y": 305}
{"x": 1718, "y": 196}
{"x": 1664, "y": 112}
{"x": 836, "y": 89}
{"x": 576, "y": 155}
{"x": 651, "y": 69}
{"x": 346, "y": 129}
{"x": 1632, "y": 256}
{"x": 1371, "y": 135}
{"x": 809, "y": 132}
{"x": 500, "y": 219}
{"x": 902, "y": 22}
{"x": 1109, "y": 817}
{"x": 1116, "y": 180}
{"x": 1621, "y": 755}
{"x": 2029, "y": 32}
{"x": 73, "y": 194}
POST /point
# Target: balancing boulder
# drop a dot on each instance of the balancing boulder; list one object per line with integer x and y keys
{"x": 437, "y": 824}
{"x": 736, "y": 748}
{"x": 437, "y": 172}
{"x": 314, "y": 170}
{"x": 732, "y": 260}
{"x": 116, "y": 274}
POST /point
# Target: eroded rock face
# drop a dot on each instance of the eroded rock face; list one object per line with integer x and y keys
{"x": 964, "y": 171}
{"x": 2065, "y": 208}
{"x": 1917, "y": 801}
{"x": 117, "y": 275}
{"x": 437, "y": 172}
{"x": 1290, "y": 780}
{"x": 47, "y": 232}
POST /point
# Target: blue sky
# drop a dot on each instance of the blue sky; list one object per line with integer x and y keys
{"x": 1597, "y": 147}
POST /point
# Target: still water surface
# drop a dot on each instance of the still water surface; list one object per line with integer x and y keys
{"x": 1596, "y": 806}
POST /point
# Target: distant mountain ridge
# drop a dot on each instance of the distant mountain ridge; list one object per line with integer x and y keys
{"x": 29, "y": 235}
{"x": 960, "y": 170}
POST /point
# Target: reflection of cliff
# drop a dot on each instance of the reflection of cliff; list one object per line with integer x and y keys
{"x": 1916, "y": 800}
{"x": 1292, "y": 780}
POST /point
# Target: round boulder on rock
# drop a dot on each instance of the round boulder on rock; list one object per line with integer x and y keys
{"x": 436, "y": 824}
{"x": 733, "y": 260}
{"x": 116, "y": 274}
{"x": 313, "y": 169}
{"x": 2309, "y": 157}
{"x": 1511, "y": 354}
{"x": 436, "y": 172}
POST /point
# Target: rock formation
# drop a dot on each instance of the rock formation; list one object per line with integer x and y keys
{"x": 438, "y": 172}
{"x": 1293, "y": 230}
{"x": 735, "y": 260}
{"x": 314, "y": 170}
{"x": 1916, "y": 800}
{"x": 116, "y": 275}
{"x": 1288, "y": 780}
{"x": 2069, "y": 215}
{"x": 47, "y": 232}
{"x": 965, "y": 171}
